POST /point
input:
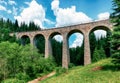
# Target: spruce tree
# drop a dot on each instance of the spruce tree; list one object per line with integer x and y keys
{"x": 98, "y": 54}
{"x": 115, "y": 18}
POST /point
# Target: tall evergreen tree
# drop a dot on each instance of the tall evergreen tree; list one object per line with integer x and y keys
{"x": 57, "y": 51}
{"x": 16, "y": 27}
{"x": 115, "y": 18}
{"x": 93, "y": 43}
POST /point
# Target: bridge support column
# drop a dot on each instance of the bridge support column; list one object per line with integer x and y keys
{"x": 65, "y": 52}
{"x": 31, "y": 41}
{"x": 48, "y": 49}
{"x": 87, "y": 56}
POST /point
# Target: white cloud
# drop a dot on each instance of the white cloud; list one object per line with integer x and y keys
{"x": 27, "y": 3}
{"x": 21, "y": 8}
{"x": 55, "y": 6}
{"x": 49, "y": 21}
{"x": 34, "y": 12}
{"x": 104, "y": 16}
{"x": 3, "y": 2}
{"x": 14, "y": 10}
{"x": 2, "y": 8}
{"x": 58, "y": 38}
{"x": 78, "y": 41}
{"x": 11, "y": 2}
{"x": 68, "y": 16}
{"x": 100, "y": 33}
{"x": 9, "y": 11}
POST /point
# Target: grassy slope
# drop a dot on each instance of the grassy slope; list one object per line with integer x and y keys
{"x": 79, "y": 74}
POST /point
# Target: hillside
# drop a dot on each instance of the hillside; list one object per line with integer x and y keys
{"x": 101, "y": 72}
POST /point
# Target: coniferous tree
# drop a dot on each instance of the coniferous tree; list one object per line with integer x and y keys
{"x": 93, "y": 43}
{"x": 16, "y": 27}
{"x": 98, "y": 54}
{"x": 115, "y": 18}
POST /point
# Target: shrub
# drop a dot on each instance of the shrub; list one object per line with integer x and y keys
{"x": 23, "y": 76}
{"x": 60, "y": 70}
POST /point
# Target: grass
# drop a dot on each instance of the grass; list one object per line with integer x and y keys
{"x": 108, "y": 74}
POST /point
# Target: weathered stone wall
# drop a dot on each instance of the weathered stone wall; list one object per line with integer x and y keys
{"x": 85, "y": 29}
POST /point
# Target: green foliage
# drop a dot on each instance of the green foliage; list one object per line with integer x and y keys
{"x": 115, "y": 19}
{"x": 57, "y": 51}
{"x": 100, "y": 48}
{"x": 14, "y": 27}
{"x": 93, "y": 43}
{"x": 77, "y": 55}
{"x": 98, "y": 54}
{"x": 22, "y": 62}
{"x": 60, "y": 70}
{"x": 22, "y": 76}
{"x": 40, "y": 43}
{"x": 24, "y": 40}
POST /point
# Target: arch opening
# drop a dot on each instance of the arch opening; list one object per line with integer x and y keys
{"x": 76, "y": 47}
{"x": 24, "y": 40}
{"x": 56, "y": 41}
{"x": 100, "y": 46}
{"x": 39, "y": 43}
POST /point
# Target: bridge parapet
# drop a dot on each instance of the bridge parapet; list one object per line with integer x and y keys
{"x": 85, "y": 29}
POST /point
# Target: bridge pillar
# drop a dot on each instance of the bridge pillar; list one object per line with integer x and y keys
{"x": 87, "y": 56}
{"x": 65, "y": 52}
{"x": 48, "y": 49}
{"x": 31, "y": 41}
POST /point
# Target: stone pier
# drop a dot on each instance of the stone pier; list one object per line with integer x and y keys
{"x": 85, "y": 28}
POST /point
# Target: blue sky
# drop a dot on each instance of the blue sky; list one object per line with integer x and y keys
{"x": 55, "y": 13}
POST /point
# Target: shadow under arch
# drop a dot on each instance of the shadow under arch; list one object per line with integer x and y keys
{"x": 94, "y": 41}
{"x": 39, "y": 43}
{"x": 56, "y": 48}
{"x": 102, "y": 27}
{"x": 76, "y": 53}
{"x": 24, "y": 40}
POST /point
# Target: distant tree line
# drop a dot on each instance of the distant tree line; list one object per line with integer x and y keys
{"x": 15, "y": 27}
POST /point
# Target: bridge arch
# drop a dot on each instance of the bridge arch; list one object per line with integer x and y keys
{"x": 39, "y": 43}
{"x": 107, "y": 33}
{"x": 55, "y": 40}
{"x": 75, "y": 53}
{"x": 24, "y": 39}
{"x": 74, "y": 31}
{"x": 102, "y": 27}
{"x": 53, "y": 34}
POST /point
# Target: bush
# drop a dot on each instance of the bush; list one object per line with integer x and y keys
{"x": 98, "y": 54}
{"x": 60, "y": 70}
{"x": 23, "y": 76}
{"x": 22, "y": 62}
{"x": 71, "y": 65}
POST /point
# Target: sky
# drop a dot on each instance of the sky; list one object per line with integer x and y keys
{"x": 56, "y": 13}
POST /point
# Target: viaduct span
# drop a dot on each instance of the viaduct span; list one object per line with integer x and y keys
{"x": 65, "y": 32}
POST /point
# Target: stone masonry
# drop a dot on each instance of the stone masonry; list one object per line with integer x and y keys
{"x": 65, "y": 32}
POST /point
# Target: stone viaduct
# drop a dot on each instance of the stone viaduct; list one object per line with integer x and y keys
{"x": 65, "y": 32}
